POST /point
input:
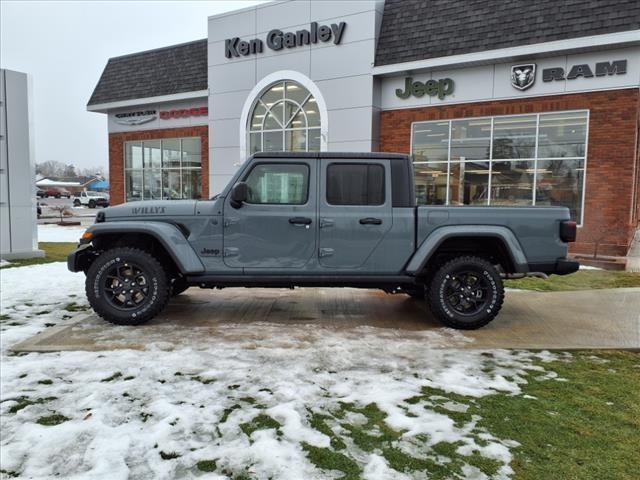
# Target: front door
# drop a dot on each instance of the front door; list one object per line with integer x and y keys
{"x": 276, "y": 227}
{"x": 355, "y": 213}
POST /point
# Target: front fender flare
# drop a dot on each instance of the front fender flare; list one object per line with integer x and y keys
{"x": 169, "y": 236}
{"x": 420, "y": 258}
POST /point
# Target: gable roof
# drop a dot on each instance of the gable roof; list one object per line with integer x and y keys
{"x": 163, "y": 71}
{"x": 422, "y": 29}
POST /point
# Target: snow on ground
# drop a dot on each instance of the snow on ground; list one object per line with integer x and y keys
{"x": 128, "y": 413}
{"x": 56, "y": 233}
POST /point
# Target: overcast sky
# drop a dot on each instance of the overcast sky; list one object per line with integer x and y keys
{"x": 65, "y": 46}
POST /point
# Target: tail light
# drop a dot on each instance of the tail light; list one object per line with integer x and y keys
{"x": 568, "y": 231}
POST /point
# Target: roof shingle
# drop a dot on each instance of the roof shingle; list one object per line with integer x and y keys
{"x": 163, "y": 71}
{"x": 422, "y": 29}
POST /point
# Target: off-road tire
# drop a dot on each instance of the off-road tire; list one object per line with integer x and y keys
{"x": 92, "y": 204}
{"x": 76, "y": 203}
{"x": 443, "y": 283}
{"x": 158, "y": 291}
{"x": 178, "y": 285}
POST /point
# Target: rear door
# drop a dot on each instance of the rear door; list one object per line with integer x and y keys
{"x": 275, "y": 228}
{"x": 355, "y": 212}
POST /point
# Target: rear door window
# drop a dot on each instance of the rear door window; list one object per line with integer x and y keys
{"x": 355, "y": 184}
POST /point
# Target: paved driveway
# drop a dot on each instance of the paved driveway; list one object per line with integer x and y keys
{"x": 281, "y": 318}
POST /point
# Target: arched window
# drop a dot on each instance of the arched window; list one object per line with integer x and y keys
{"x": 285, "y": 118}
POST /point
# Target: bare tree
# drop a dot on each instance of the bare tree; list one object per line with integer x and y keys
{"x": 63, "y": 211}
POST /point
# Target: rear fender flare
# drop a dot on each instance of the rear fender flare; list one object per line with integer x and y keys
{"x": 419, "y": 259}
{"x": 169, "y": 236}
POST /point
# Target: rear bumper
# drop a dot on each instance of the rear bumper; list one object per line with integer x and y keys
{"x": 80, "y": 258}
{"x": 562, "y": 266}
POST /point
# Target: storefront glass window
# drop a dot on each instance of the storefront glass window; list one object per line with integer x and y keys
{"x": 533, "y": 159}
{"x": 285, "y": 118}
{"x": 166, "y": 169}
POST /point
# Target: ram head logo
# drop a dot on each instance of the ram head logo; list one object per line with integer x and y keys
{"x": 523, "y": 76}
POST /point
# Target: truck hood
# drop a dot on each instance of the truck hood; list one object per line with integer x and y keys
{"x": 151, "y": 209}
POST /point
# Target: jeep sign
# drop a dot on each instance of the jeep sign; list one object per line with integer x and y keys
{"x": 441, "y": 88}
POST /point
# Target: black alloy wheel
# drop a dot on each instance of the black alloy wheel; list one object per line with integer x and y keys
{"x": 466, "y": 293}
{"x": 127, "y": 286}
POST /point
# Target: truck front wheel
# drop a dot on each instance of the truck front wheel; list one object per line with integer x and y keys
{"x": 466, "y": 293}
{"x": 127, "y": 286}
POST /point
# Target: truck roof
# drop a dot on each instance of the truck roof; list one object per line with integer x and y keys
{"x": 340, "y": 155}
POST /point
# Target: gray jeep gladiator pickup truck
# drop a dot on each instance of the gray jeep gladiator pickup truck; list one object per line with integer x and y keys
{"x": 325, "y": 220}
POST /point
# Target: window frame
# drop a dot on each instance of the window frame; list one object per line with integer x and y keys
{"x": 285, "y": 128}
{"x": 161, "y": 170}
{"x": 368, "y": 164}
{"x": 306, "y": 199}
{"x": 491, "y": 160}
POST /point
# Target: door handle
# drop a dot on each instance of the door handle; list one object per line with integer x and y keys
{"x": 370, "y": 221}
{"x": 300, "y": 221}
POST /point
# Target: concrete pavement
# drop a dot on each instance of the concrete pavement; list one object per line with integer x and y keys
{"x": 264, "y": 317}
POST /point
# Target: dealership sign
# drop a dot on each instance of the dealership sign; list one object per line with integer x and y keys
{"x": 184, "y": 113}
{"x": 277, "y": 39}
{"x": 441, "y": 88}
{"x": 135, "y": 118}
{"x": 523, "y": 76}
{"x": 617, "y": 67}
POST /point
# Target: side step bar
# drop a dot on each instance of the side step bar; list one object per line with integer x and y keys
{"x": 364, "y": 281}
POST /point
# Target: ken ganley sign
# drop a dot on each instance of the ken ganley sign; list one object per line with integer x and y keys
{"x": 277, "y": 39}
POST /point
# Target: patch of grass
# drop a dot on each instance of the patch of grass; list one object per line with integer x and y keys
{"x": 74, "y": 307}
{"x": 169, "y": 455}
{"x": 227, "y": 411}
{"x": 51, "y": 420}
{"x": 233, "y": 387}
{"x": 372, "y": 434}
{"x": 43, "y": 312}
{"x": 319, "y": 422}
{"x": 23, "y": 402}
{"x": 205, "y": 381}
{"x": 9, "y": 473}
{"x": 130, "y": 377}
{"x": 581, "y": 280}
{"x": 327, "y": 459}
{"x": 596, "y": 430}
{"x": 112, "y": 377}
{"x": 53, "y": 252}
{"x": 145, "y": 416}
{"x": 206, "y": 465}
{"x": 260, "y": 422}
{"x": 46, "y": 381}
{"x": 4, "y": 316}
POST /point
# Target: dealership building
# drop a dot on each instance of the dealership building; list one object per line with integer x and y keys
{"x": 500, "y": 103}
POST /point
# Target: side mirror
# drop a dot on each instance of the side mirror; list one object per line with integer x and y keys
{"x": 239, "y": 194}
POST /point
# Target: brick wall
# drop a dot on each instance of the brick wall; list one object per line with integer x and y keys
{"x": 116, "y": 155}
{"x": 612, "y": 199}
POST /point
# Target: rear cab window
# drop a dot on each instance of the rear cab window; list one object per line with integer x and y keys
{"x": 355, "y": 184}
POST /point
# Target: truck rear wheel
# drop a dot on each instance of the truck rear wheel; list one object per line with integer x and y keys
{"x": 127, "y": 286}
{"x": 466, "y": 293}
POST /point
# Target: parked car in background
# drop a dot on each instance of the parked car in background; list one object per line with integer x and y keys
{"x": 56, "y": 192}
{"x": 91, "y": 199}
{"x": 39, "y": 193}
